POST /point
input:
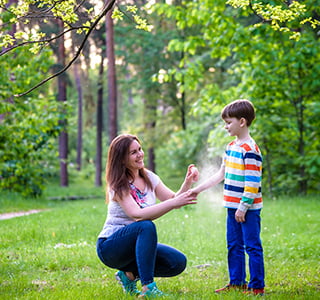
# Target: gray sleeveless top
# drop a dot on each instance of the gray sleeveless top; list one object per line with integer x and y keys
{"x": 117, "y": 218}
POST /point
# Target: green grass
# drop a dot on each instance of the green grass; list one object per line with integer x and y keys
{"x": 51, "y": 255}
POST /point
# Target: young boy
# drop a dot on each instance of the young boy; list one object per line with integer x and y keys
{"x": 241, "y": 171}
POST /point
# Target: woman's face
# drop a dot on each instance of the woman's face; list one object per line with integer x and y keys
{"x": 135, "y": 156}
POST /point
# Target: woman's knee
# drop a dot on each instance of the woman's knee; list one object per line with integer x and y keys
{"x": 99, "y": 250}
{"x": 181, "y": 263}
{"x": 147, "y": 225}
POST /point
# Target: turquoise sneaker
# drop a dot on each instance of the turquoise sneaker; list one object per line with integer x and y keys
{"x": 129, "y": 286}
{"x": 152, "y": 291}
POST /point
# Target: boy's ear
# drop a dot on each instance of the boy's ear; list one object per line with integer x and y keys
{"x": 243, "y": 122}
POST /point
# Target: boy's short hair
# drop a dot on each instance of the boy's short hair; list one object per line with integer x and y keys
{"x": 241, "y": 108}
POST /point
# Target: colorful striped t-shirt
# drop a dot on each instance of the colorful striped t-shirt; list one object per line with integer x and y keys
{"x": 243, "y": 170}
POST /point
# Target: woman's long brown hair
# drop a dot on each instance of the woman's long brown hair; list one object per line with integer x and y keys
{"x": 118, "y": 176}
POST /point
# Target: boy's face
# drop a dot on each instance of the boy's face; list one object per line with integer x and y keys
{"x": 234, "y": 126}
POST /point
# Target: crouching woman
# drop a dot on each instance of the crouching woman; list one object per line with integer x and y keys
{"x": 128, "y": 241}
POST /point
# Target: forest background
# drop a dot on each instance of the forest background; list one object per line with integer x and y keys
{"x": 74, "y": 74}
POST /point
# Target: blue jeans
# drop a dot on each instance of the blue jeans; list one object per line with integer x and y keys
{"x": 241, "y": 238}
{"x": 134, "y": 248}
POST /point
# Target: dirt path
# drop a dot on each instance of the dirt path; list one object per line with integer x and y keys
{"x": 6, "y": 216}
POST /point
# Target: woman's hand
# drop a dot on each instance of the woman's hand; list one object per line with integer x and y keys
{"x": 194, "y": 192}
{"x": 183, "y": 199}
{"x": 152, "y": 212}
{"x": 192, "y": 174}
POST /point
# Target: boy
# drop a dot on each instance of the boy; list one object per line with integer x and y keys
{"x": 241, "y": 171}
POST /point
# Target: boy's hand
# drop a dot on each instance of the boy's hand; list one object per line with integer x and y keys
{"x": 194, "y": 192}
{"x": 240, "y": 216}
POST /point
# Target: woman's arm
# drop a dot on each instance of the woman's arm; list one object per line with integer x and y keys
{"x": 163, "y": 193}
{"x": 132, "y": 209}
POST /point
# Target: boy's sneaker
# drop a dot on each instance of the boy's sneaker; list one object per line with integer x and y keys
{"x": 152, "y": 291}
{"x": 129, "y": 286}
{"x": 255, "y": 292}
{"x": 231, "y": 287}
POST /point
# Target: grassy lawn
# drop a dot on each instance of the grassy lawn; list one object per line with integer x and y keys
{"x": 51, "y": 255}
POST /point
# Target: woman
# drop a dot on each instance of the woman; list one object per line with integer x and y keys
{"x": 128, "y": 240}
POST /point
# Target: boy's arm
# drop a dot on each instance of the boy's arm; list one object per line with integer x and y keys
{"x": 211, "y": 181}
{"x": 252, "y": 183}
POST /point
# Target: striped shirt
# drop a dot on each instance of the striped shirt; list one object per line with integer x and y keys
{"x": 243, "y": 170}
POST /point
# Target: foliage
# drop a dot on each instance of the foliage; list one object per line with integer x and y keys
{"x": 140, "y": 22}
{"x": 229, "y": 58}
{"x": 283, "y": 16}
{"x": 157, "y": 108}
{"x": 25, "y": 69}
{"x": 29, "y": 20}
{"x": 27, "y": 146}
{"x": 183, "y": 148}
{"x": 24, "y": 12}
{"x": 282, "y": 78}
{"x": 29, "y": 125}
{"x": 196, "y": 57}
{"x": 51, "y": 255}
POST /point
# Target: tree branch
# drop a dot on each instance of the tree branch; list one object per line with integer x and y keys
{"x": 41, "y": 41}
{"x": 262, "y": 19}
{"x": 108, "y": 6}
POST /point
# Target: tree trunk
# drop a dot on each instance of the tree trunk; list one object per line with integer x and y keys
{"x": 80, "y": 101}
{"x": 151, "y": 159}
{"x": 13, "y": 29}
{"x": 268, "y": 166}
{"x": 150, "y": 116}
{"x": 98, "y": 181}
{"x": 183, "y": 111}
{"x": 62, "y": 97}
{"x": 112, "y": 80}
{"x": 183, "y": 99}
{"x": 303, "y": 183}
{"x": 88, "y": 94}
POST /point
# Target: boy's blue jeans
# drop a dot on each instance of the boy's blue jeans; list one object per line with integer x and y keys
{"x": 134, "y": 248}
{"x": 241, "y": 238}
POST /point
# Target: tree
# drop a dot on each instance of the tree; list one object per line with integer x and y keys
{"x": 29, "y": 124}
{"x": 163, "y": 108}
{"x": 42, "y": 11}
{"x": 284, "y": 74}
{"x": 99, "y": 125}
{"x": 78, "y": 17}
{"x": 29, "y": 127}
{"x": 80, "y": 118}
{"x": 62, "y": 97}
{"x": 112, "y": 78}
